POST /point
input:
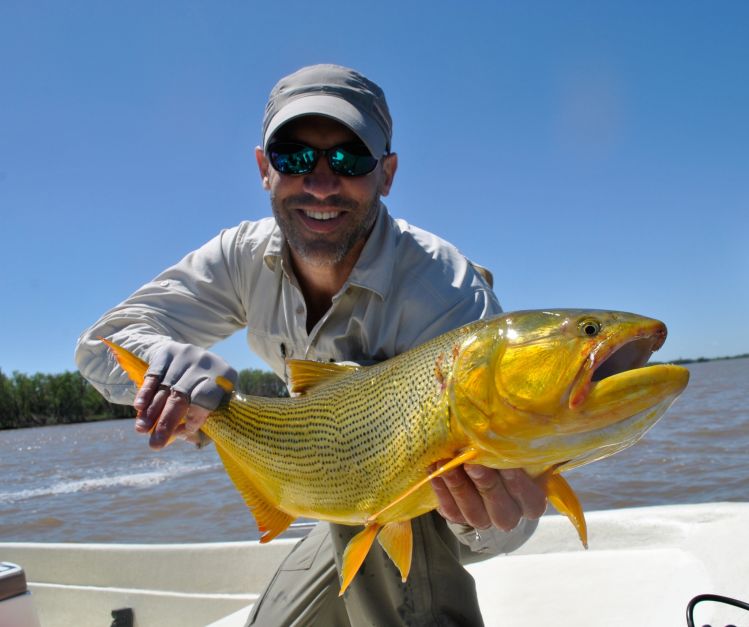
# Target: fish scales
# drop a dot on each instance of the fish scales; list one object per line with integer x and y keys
{"x": 545, "y": 390}
{"x": 356, "y": 443}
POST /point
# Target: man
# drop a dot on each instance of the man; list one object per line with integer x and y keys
{"x": 330, "y": 277}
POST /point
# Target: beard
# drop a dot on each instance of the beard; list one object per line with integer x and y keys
{"x": 320, "y": 249}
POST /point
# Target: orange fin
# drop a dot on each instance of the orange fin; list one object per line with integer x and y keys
{"x": 305, "y": 374}
{"x": 224, "y": 383}
{"x": 464, "y": 457}
{"x": 356, "y": 551}
{"x": 564, "y": 499}
{"x": 270, "y": 520}
{"x": 397, "y": 540}
{"x": 134, "y": 366}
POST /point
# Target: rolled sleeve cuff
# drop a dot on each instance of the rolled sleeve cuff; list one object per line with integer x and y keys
{"x": 485, "y": 543}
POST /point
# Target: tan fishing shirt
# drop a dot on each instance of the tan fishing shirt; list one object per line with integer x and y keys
{"x": 407, "y": 287}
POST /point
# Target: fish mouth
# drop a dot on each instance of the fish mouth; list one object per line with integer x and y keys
{"x": 617, "y": 356}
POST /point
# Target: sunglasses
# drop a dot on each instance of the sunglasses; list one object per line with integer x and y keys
{"x": 350, "y": 159}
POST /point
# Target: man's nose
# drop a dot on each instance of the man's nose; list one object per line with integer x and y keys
{"x": 322, "y": 181}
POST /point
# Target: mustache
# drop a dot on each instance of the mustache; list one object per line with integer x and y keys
{"x": 308, "y": 201}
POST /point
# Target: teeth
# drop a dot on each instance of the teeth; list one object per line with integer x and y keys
{"x": 328, "y": 215}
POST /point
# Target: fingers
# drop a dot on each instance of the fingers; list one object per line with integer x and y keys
{"x": 174, "y": 411}
{"x": 146, "y": 392}
{"x": 160, "y": 410}
{"x": 525, "y": 491}
{"x": 484, "y": 497}
{"x": 502, "y": 509}
{"x": 184, "y": 383}
{"x": 460, "y": 501}
{"x": 196, "y": 417}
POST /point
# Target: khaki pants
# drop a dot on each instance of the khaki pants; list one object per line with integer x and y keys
{"x": 304, "y": 590}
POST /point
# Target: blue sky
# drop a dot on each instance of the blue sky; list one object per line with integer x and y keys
{"x": 592, "y": 154}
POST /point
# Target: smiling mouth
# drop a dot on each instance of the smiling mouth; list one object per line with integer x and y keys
{"x": 321, "y": 215}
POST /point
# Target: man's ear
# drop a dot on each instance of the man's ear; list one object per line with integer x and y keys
{"x": 263, "y": 166}
{"x": 389, "y": 166}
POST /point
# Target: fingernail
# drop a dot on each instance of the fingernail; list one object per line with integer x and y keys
{"x": 140, "y": 424}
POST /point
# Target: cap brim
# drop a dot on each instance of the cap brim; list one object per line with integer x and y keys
{"x": 333, "y": 107}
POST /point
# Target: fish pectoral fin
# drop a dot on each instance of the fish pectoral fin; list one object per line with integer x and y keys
{"x": 354, "y": 554}
{"x": 270, "y": 520}
{"x": 397, "y": 540}
{"x": 563, "y": 498}
{"x": 464, "y": 457}
{"x": 133, "y": 365}
{"x": 305, "y": 374}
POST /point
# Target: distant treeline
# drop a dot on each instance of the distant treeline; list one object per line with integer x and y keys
{"x": 50, "y": 399}
{"x": 700, "y": 360}
{"x": 44, "y": 399}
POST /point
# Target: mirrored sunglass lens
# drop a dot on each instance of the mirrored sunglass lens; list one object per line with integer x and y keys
{"x": 351, "y": 163}
{"x": 292, "y": 158}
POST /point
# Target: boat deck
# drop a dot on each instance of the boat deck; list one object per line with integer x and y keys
{"x": 643, "y": 567}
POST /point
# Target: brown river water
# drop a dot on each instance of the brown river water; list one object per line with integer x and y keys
{"x": 99, "y": 482}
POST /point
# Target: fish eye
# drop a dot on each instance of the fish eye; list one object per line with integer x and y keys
{"x": 590, "y": 327}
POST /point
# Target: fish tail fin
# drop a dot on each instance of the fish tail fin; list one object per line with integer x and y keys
{"x": 563, "y": 498}
{"x": 354, "y": 554}
{"x": 134, "y": 366}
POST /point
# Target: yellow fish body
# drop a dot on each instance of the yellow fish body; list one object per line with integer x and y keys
{"x": 541, "y": 390}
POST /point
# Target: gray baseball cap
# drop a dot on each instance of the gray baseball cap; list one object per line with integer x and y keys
{"x": 336, "y": 92}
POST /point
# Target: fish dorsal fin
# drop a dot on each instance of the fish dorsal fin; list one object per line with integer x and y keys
{"x": 563, "y": 498}
{"x": 354, "y": 554}
{"x": 305, "y": 374}
{"x": 270, "y": 520}
{"x": 398, "y": 541}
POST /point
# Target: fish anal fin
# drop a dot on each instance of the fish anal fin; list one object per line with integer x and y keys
{"x": 305, "y": 374}
{"x": 563, "y": 498}
{"x": 464, "y": 457}
{"x": 397, "y": 540}
{"x": 270, "y": 520}
{"x": 133, "y": 365}
{"x": 354, "y": 554}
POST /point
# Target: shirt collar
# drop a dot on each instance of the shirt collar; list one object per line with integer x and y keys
{"x": 373, "y": 270}
{"x": 274, "y": 251}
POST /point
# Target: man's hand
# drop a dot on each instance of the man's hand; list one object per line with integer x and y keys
{"x": 484, "y": 497}
{"x": 179, "y": 391}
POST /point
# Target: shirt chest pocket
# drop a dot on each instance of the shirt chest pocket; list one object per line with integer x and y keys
{"x": 274, "y": 349}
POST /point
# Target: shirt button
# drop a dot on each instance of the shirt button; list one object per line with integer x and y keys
{"x": 300, "y": 310}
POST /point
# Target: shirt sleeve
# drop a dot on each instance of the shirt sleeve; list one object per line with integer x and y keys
{"x": 195, "y": 301}
{"x": 482, "y": 544}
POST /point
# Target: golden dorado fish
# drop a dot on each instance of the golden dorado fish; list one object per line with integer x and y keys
{"x": 545, "y": 391}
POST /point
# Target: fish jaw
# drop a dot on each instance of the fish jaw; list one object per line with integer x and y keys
{"x": 624, "y": 351}
{"x": 620, "y": 396}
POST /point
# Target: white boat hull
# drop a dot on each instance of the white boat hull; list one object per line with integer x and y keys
{"x": 643, "y": 567}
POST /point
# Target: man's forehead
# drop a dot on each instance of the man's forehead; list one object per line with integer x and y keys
{"x": 317, "y": 126}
